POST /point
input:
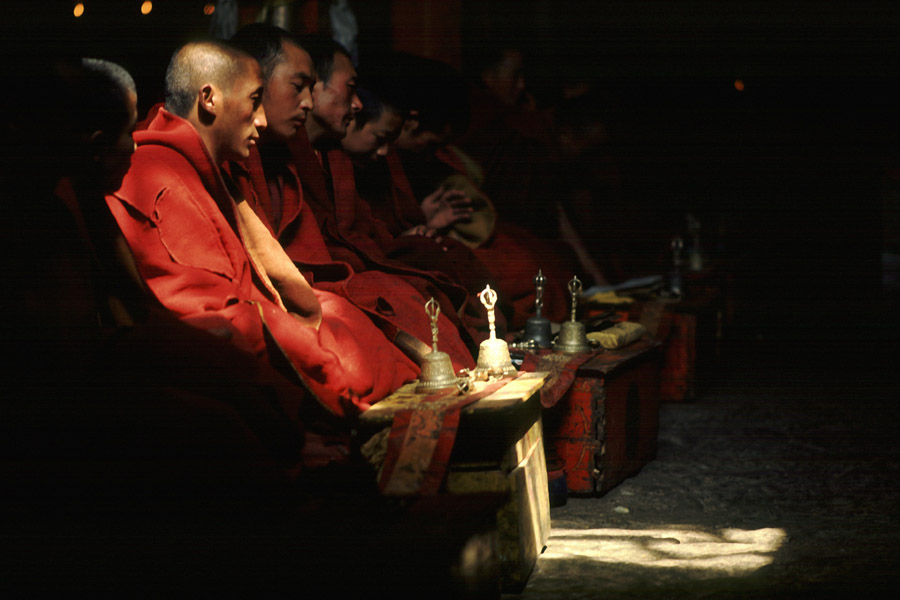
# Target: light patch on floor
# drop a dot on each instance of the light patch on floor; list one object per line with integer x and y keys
{"x": 726, "y": 551}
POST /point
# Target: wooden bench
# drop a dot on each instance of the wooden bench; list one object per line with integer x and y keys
{"x": 499, "y": 447}
{"x": 604, "y": 428}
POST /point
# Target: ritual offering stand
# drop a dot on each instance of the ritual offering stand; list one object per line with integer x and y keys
{"x": 601, "y": 414}
{"x": 687, "y": 315}
{"x": 600, "y": 406}
{"x": 482, "y": 435}
{"x": 688, "y": 318}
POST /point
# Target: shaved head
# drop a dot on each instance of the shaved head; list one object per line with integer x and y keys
{"x": 196, "y": 64}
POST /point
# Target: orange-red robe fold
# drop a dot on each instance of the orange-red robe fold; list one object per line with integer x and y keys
{"x": 180, "y": 221}
{"x": 394, "y": 301}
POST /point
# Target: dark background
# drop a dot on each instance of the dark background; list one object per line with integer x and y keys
{"x": 789, "y": 177}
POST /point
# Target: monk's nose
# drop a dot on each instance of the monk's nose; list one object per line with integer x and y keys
{"x": 260, "y": 120}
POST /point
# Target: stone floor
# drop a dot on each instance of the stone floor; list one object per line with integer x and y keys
{"x": 781, "y": 480}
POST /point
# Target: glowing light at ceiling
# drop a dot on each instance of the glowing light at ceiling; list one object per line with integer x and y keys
{"x": 146, "y": 7}
{"x": 739, "y": 85}
{"x": 209, "y": 8}
{"x": 78, "y": 10}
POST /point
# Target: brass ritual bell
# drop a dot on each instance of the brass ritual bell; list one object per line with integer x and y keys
{"x": 437, "y": 368}
{"x": 493, "y": 354}
{"x": 537, "y": 328}
{"x": 572, "y": 336}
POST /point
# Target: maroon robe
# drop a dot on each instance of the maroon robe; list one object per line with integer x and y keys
{"x": 393, "y": 301}
{"x": 399, "y": 210}
{"x": 383, "y": 206}
{"x": 514, "y": 254}
{"x": 188, "y": 238}
{"x": 357, "y": 223}
{"x": 320, "y": 187}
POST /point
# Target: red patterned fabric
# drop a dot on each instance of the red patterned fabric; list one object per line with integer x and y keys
{"x": 562, "y": 369}
{"x": 421, "y": 441}
{"x": 180, "y": 222}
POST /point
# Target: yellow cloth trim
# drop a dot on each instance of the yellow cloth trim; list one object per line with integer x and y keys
{"x": 620, "y": 334}
{"x": 608, "y": 298}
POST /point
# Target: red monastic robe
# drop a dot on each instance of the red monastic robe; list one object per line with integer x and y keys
{"x": 399, "y": 210}
{"x": 382, "y": 206}
{"x": 213, "y": 263}
{"x": 514, "y": 255}
{"x": 346, "y": 239}
{"x": 447, "y": 258}
{"x": 394, "y": 301}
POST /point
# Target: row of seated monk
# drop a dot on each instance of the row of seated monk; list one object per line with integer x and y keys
{"x": 202, "y": 300}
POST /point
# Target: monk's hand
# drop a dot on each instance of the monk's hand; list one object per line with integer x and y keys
{"x": 444, "y": 207}
{"x": 426, "y": 231}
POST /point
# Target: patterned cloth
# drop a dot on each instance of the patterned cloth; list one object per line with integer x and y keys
{"x": 421, "y": 440}
{"x": 562, "y": 368}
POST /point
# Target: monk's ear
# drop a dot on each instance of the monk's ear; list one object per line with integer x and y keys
{"x": 411, "y": 123}
{"x": 96, "y": 144}
{"x": 208, "y": 99}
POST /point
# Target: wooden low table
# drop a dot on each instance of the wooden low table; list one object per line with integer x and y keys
{"x": 605, "y": 427}
{"x": 499, "y": 447}
{"x": 690, "y": 328}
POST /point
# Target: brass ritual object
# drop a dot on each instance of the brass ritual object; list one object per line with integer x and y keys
{"x": 572, "y": 336}
{"x": 675, "y": 276}
{"x": 437, "y": 368}
{"x": 493, "y": 354}
{"x": 537, "y": 328}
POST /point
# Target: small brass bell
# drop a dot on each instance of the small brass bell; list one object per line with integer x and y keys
{"x": 493, "y": 354}
{"x": 572, "y": 336}
{"x": 437, "y": 368}
{"x": 537, "y": 328}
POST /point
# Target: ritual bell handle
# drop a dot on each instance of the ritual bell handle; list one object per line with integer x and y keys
{"x": 574, "y": 289}
{"x": 539, "y": 282}
{"x": 433, "y": 310}
{"x": 489, "y": 299}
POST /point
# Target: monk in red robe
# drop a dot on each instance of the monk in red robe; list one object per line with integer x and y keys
{"x": 130, "y": 439}
{"x": 393, "y": 295}
{"x": 335, "y": 103}
{"x": 211, "y": 261}
{"x": 426, "y": 159}
{"x": 426, "y": 245}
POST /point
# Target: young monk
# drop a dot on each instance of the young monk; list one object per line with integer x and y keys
{"x": 129, "y": 438}
{"x": 152, "y": 459}
{"x": 211, "y": 261}
{"x": 392, "y": 295}
{"x": 424, "y": 157}
{"x": 427, "y": 245}
{"x": 323, "y": 182}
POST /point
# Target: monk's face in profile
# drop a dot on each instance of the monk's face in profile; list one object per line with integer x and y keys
{"x": 242, "y": 116}
{"x": 413, "y": 138}
{"x": 506, "y": 81}
{"x": 114, "y": 157}
{"x": 287, "y": 98}
{"x": 372, "y": 140}
{"x": 335, "y": 101}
